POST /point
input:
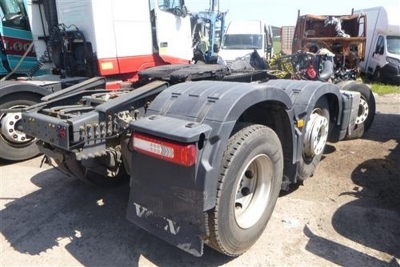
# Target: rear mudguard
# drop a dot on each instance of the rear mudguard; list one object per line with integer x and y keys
{"x": 305, "y": 94}
{"x": 12, "y": 87}
{"x": 170, "y": 200}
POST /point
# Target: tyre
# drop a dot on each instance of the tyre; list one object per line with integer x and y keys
{"x": 315, "y": 138}
{"x": 14, "y": 144}
{"x": 377, "y": 77}
{"x": 366, "y": 109}
{"x": 249, "y": 184}
{"x": 74, "y": 168}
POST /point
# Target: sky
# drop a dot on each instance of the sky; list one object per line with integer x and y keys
{"x": 284, "y": 12}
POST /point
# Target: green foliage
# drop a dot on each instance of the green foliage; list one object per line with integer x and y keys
{"x": 383, "y": 89}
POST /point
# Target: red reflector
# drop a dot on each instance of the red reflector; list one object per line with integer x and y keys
{"x": 182, "y": 154}
{"x": 62, "y": 132}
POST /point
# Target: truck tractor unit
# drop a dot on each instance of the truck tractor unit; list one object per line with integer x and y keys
{"x": 206, "y": 155}
{"x": 207, "y": 149}
{"x": 49, "y": 45}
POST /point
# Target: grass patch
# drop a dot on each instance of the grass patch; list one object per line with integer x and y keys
{"x": 384, "y": 89}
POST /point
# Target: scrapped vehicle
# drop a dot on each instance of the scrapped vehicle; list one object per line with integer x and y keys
{"x": 330, "y": 49}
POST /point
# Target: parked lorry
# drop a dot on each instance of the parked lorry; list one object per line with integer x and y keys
{"x": 241, "y": 38}
{"x": 207, "y": 149}
{"x": 50, "y": 45}
{"x": 382, "y": 56}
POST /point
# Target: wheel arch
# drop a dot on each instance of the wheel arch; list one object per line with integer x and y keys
{"x": 272, "y": 113}
{"x": 220, "y": 105}
{"x": 305, "y": 95}
{"x": 279, "y": 118}
{"x": 9, "y": 88}
{"x": 217, "y": 106}
{"x": 251, "y": 103}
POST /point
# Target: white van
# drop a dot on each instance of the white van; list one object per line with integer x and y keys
{"x": 241, "y": 38}
{"x": 382, "y": 54}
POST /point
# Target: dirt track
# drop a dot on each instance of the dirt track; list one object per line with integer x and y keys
{"x": 347, "y": 214}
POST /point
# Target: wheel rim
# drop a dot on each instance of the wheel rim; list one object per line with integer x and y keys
{"x": 316, "y": 134}
{"x": 363, "y": 111}
{"x": 253, "y": 191}
{"x": 11, "y": 127}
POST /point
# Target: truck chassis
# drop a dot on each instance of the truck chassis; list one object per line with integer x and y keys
{"x": 214, "y": 130}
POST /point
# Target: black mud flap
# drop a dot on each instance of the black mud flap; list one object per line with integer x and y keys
{"x": 166, "y": 200}
{"x": 181, "y": 236}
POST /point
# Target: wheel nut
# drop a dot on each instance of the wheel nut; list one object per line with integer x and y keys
{"x": 245, "y": 191}
{"x": 249, "y": 174}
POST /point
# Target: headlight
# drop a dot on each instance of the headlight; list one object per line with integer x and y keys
{"x": 392, "y": 60}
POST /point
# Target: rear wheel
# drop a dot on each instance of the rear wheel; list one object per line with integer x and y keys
{"x": 249, "y": 184}
{"x": 14, "y": 144}
{"x": 315, "y": 138}
{"x": 366, "y": 109}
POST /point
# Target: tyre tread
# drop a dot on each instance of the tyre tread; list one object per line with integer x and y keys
{"x": 240, "y": 133}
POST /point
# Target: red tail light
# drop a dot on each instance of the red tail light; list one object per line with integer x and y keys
{"x": 182, "y": 154}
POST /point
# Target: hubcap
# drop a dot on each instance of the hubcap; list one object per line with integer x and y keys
{"x": 316, "y": 135}
{"x": 253, "y": 191}
{"x": 11, "y": 128}
{"x": 363, "y": 111}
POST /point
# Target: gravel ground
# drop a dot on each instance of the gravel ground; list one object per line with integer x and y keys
{"x": 347, "y": 214}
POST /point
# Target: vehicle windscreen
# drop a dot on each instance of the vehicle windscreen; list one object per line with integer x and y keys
{"x": 393, "y": 44}
{"x": 13, "y": 15}
{"x": 242, "y": 41}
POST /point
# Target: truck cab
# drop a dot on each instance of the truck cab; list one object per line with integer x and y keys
{"x": 382, "y": 59}
{"x": 72, "y": 41}
{"x": 16, "y": 36}
{"x": 163, "y": 26}
{"x": 243, "y": 37}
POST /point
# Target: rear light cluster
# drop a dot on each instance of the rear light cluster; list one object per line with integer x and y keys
{"x": 178, "y": 153}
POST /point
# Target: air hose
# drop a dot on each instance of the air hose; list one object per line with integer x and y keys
{"x": 39, "y": 64}
{"x": 19, "y": 63}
